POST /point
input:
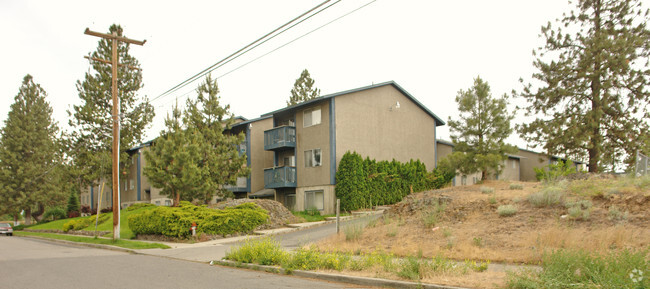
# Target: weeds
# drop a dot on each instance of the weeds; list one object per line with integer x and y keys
{"x": 478, "y": 242}
{"x": 492, "y": 199}
{"x": 264, "y": 251}
{"x": 582, "y": 269}
{"x": 516, "y": 186}
{"x": 487, "y": 190}
{"x": 431, "y": 216}
{"x": 579, "y": 210}
{"x": 614, "y": 214}
{"x": 547, "y": 197}
{"x": 506, "y": 210}
{"x": 353, "y": 232}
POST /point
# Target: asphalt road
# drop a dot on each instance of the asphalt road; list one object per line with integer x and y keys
{"x": 29, "y": 263}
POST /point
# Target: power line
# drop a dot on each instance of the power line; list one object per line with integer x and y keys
{"x": 279, "y": 47}
{"x": 297, "y": 38}
{"x": 201, "y": 73}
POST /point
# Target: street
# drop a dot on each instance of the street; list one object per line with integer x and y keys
{"x": 29, "y": 263}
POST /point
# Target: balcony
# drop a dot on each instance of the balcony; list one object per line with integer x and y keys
{"x": 239, "y": 187}
{"x": 280, "y": 177}
{"x": 281, "y": 137}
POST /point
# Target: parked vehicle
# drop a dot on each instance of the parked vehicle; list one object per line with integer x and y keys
{"x": 6, "y": 229}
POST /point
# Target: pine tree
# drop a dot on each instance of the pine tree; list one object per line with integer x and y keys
{"x": 480, "y": 132}
{"x": 73, "y": 203}
{"x": 303, "y": 89}
{"x": 29, "y": 154}
{"x": 91, "y": 139}
{"x": 221, "y": 163}
{"x": 592, "y": 85}
{"x": 173, "y": 161}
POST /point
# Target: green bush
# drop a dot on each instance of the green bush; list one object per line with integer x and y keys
{"x": 554, "y": 172}
{"x": 80, "y": 223}
{"x": 53, "y": 214}
{"x": 487, "y": 190}
{"x": 177, "y": 221}
{"x": 516, "y": 186}
{"x": 581, "y": 269}
{"x": 365, "y": 183}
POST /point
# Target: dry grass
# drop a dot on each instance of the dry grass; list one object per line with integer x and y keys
{"x": 522, "y": 238}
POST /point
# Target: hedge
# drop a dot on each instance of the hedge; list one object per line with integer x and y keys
{"x": 177, "y": 221}
{"x": 364, "y": 183}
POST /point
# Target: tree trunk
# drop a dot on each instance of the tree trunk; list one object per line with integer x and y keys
{"x": 16, "y": 220}
{"x": 177, "y": 199}
{"x": 596, "y": 102}
{"x": 483, "y": 175}
{"x": 28, "y": 216}
{"x": 39, "y": 214}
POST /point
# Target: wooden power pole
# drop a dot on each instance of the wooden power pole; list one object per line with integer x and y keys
{"x": 116, "y": 123}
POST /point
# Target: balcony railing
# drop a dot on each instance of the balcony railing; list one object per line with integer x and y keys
{"x": 280, "y": 137}
{"x": 239, "y": 187}
{"x": 280, "y": 177}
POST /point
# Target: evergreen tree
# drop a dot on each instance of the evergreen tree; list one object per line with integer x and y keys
{"x": 480, "y": 132}
{"x": 73, "y": 203}
{"x": 592, "y": 83}
{"x": 92, "y": 123}
{"x": 29, "y": 154}
{"x": 303, "y": 89}
{"x": 173, "y": 161}
{"x": 221, "y": 164}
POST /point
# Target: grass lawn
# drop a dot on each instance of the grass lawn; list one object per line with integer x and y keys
{"x": 119, "y": 243}
{"x": 125, "y": 230}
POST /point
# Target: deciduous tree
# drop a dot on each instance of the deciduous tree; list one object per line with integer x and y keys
{"x": 590, "y": 94}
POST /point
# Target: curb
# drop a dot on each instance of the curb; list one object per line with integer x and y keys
{"x": 363, "y": 281}
{"x": 96, "y": 246}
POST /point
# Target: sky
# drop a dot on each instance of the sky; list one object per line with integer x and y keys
{"x": 431, "y": 48}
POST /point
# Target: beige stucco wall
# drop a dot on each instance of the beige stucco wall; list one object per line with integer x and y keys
{"x": 528, "y": 162}
{"x": 510, "y": 170}
{"x": 329, "y": 198}
{"x": 313, "y": 137}
{"x": 444, "y": 150}
{"x": 369, "y": 123}
{"x": 260, "y": 159}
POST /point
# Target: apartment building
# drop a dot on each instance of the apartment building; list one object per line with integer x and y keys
{"x": 293, "y": 152}
{"x": 519, "y": 167}
{"x": 308, "y": 140}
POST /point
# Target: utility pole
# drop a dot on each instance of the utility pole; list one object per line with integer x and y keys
{"x": 116, "y": 123}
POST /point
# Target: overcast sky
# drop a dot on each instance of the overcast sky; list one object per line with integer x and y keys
{"x": 431, "y": 48}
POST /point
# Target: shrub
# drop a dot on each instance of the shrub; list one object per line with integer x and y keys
{"x": 81, "y": 223}
{"x": 579, "y": 210}
{"x": 506, "y": 210}
{"x": 138, "y": 206}
{"x": 106, "y": 210}
{"x": 73, "y": 214}
{"x": 547, "y": 197}
{"x": 487, "y": 190}
{"x": 176, "y": 221}
{"x": 363, "y": 183}
{"x": 554, "y": 172}
{"x": 431, "y": 216}
{"x": 614, "y": 214}
{"x": 73, "y": 204}
{"x": 516, "y": 186}
{"x": 85, "y": 209}
{"x": 55, "y": 213}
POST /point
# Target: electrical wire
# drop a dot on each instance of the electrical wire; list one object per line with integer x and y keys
{"x": 279, "y": 47}
{"x": 200, "y": 74}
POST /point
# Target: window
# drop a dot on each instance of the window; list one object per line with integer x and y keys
{"x": 313, "y": 158}
{"x": 314, "y": 200}
{"x": 157, "y": 203}
{"x": 168, "y": 203}
{"x": 311, "y": 117}
{"x": 132, "y": 184}
{"x": 463, "y": 180}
